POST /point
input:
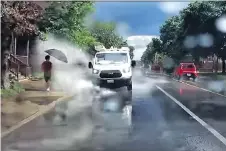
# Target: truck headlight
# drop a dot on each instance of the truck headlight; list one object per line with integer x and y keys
{"x": 126, "y": 70}
{"x": 95, "y": 71}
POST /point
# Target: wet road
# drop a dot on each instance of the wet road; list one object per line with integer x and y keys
{"x": 157, "y": 123}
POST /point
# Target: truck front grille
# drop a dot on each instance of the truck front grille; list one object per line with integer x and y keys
{"x": 110, "y": 74}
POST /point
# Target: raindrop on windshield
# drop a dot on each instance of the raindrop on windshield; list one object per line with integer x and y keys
{"x": 168, "y": 63}
{"x": 205, "y": 40}
{"x": 221, "y": 24}
{"x": 190, "y": 42}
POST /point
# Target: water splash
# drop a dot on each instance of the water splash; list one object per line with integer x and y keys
{"x": 66, "y": 76}
{"x": 75, "y": 80}
{"x": 217, "y": 86}
{"x": 71, "y": 79}
{"x": 220, "y": 23}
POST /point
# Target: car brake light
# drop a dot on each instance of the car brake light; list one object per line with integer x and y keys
{"x": 181, "y": 91}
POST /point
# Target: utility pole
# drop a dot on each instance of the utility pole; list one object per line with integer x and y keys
{"x": 28, "y": 51}
{"x": 155, "y": 57}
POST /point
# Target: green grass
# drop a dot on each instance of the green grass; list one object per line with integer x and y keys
{"x": 217, "y": 76}
{"x": 38, "y": 75}
{"x": 211, "y": 74}
{"x": 169, "y": 71}
{"x": 16, "y": 89}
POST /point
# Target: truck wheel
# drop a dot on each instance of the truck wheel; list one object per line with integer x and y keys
{"x": 130, "y": 87}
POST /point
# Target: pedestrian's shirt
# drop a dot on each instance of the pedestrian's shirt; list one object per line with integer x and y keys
{"x": 46, "y": 67}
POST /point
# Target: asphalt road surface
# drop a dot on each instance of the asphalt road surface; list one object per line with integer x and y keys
{"x": 166, "y": 116}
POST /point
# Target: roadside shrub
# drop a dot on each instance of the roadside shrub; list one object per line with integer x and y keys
{"x": 18, "y": 88}
{"x": 168, "y": 70}
{"x": 15, "y": 89}
{"x": 36, "y": 76}
{"x": 5, "y": 93}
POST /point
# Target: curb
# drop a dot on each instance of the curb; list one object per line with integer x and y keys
{"x": 23, "y": 80}
{"x": 193, "y": 85}
{"x": 35, "y": 115}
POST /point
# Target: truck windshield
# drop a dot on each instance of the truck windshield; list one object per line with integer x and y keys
{"x": 112, "y": 57}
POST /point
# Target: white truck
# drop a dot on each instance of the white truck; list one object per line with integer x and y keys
{"x": 113, "y": 67}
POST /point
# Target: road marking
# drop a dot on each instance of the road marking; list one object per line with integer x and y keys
{"x": 204, "y": 124}
{"x": 196, "y": 86}
{"x": 202, "y": 89}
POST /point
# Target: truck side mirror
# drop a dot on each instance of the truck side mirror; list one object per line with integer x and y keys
{"x": 90, "y": 65}
{"x": 133, "y": 63}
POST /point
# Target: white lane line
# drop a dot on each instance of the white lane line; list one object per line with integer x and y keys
{"x": 204, "y": 124}
{"x": 196, "y": 86}
{"x": 202, "y": 88}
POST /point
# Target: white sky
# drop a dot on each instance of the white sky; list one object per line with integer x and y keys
{"x": 140, "y": 43}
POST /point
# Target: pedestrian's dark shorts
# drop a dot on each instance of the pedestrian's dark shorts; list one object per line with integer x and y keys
{"x": 47, "y": 78}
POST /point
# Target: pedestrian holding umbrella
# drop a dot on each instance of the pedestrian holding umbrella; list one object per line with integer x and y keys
{"x": 57, "y": 54}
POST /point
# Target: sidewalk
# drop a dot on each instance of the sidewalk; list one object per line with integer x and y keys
{"x": 16, "y": 109}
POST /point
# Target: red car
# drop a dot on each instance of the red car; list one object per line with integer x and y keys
{"x": 186, "y": 70}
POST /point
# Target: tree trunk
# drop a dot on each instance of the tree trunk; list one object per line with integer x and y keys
{"x": 28, "y": 52}
{"x": 12, "y": 43}
{"x": 223, "y": 64}
{"x": 28, "y": 72}
{"x": 6, "y": 43}
{"x": 5, "y": 82}
{"x": 213, "y": 59}
{"x": 15, "y": 46}
{"x": 216, "y": 65}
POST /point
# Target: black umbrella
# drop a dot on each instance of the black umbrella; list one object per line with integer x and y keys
{"x": 57, "y": 54}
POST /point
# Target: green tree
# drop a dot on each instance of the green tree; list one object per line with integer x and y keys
{"x": 200, "y": 18}
{"x": 171, "y": 35}
{"x": 153, "y": 48}
{"x": 194, "y": 17}
{"x": 18, "y": 18}
{"x": 147, "y": 56}
{"x": 84, "y": 38}
{"x": 131, "y": 48}
{"x": 67, "y": 19}
{"x": 105, "y": 33}
{"x": 156, "y": 46}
